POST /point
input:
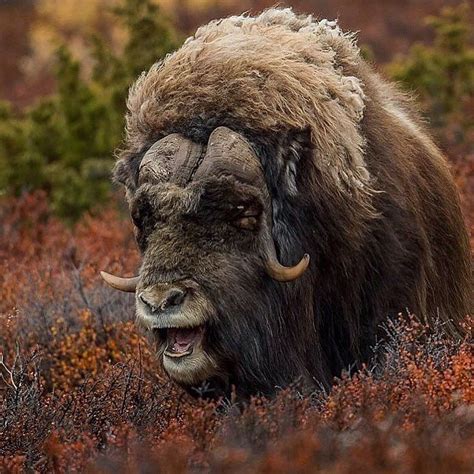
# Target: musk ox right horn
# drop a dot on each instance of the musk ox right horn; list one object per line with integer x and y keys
{"x": 275, "y": 269}
{"x": 279, "y": 272}
{"x": 119, "y": 283}
{"x": 230, "y": 153}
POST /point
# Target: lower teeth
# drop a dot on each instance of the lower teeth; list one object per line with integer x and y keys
{"x": 172, "y": 353}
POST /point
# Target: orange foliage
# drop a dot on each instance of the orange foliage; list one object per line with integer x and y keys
{"x": 80, "y": 389}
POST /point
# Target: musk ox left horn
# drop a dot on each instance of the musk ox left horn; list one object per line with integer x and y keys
{"x": 119, "y": 283}
{"x": 173, "y": 159}
{"x": 230, "y": 153}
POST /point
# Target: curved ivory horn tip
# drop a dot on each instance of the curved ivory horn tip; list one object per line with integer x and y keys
{"x": 105, "y": 276}
{"x": 118, "y": 283}
{"x": 281, "y": 273}
{"x": 303, "y": 263}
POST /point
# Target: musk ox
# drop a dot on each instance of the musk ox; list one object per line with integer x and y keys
{"x": 287, "y": 201}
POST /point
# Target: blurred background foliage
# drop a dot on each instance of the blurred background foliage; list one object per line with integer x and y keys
{"x": 64, "y": 143}
{"x": 80, "y": 390}
{"x": 442, "y": 74}
{"x": 62, "y": 138}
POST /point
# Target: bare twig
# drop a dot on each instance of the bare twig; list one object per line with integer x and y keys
{"x": 11, "y": 382}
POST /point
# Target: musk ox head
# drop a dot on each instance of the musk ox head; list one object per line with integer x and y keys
{"x": 260, "y": 139}
{"x": 205, "y": 290}
{"x": 244, "y": 151}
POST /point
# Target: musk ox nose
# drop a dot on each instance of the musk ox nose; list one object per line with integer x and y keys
{"x": 158, "y": 300}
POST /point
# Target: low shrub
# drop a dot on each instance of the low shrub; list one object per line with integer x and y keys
{"x": 80, "y": 389}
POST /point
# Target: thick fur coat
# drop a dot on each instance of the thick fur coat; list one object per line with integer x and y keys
{"x": 354, "y": 177}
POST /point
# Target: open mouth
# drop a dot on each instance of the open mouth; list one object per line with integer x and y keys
{"x": 180, "y": 342}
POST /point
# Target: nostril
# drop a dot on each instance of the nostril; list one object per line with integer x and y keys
{"x": 157, "y": 303}
{"x": 174, "y": 297}
{"x": 147, "y": 303}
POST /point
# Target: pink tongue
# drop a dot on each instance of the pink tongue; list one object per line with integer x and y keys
{"x": 181, "y": 339}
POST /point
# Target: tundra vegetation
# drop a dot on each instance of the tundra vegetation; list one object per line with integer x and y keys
{"x": 79, "y": 386}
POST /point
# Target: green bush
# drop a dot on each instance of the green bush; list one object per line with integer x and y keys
{"x": 65, "y": 143}
{"x": 442, "y": 74}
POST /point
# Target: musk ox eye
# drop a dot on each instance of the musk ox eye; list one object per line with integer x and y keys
{"x": 247, "y": 223}
{"x": 247, "y": 216}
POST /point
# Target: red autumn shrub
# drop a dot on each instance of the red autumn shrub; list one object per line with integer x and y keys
{"x": 81, "y": 391}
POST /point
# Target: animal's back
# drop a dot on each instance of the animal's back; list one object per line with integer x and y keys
{"x": 424, "y": 202}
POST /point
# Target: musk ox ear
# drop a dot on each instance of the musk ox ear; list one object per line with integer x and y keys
{"x": 125, "y": 172}
{"x": 299, "y": 143}
{"x": 281, "y": 158}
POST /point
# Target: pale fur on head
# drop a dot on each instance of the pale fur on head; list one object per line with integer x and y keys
{"x": 230, "y": 72}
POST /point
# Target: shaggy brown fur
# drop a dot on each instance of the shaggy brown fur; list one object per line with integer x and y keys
{"x": 355, "y": 181}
